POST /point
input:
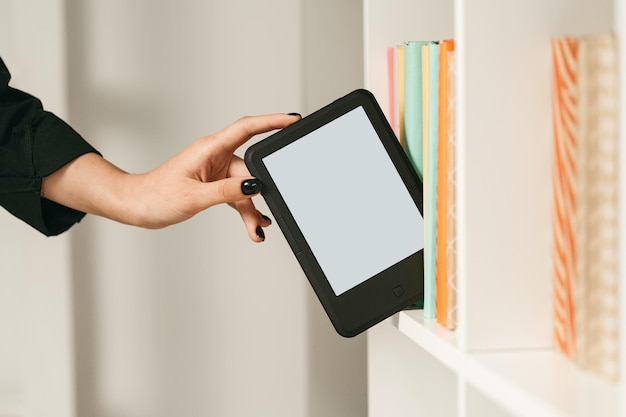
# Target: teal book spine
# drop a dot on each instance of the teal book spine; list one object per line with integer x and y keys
{"x": 413, "y": 104}
{"x": 430, "y": 198}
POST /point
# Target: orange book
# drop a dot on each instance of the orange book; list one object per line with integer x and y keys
{"x": 441, "y": 258}
{"x": 451, "y": 252}
{"x": 564, "y": 101}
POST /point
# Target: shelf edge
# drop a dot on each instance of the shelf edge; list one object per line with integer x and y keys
{"x": 491, "y": 382}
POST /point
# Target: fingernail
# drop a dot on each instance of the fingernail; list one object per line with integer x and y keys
{"x": 266, "y": 218}
{"x": 251, "y": 186}
{"x": 260, "y": 233}
{"x": 294, "y": 114}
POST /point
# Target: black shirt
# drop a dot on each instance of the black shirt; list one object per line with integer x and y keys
{"x": 33, "y": 144}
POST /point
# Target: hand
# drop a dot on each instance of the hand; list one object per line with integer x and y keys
{"x": 204, "y": 174}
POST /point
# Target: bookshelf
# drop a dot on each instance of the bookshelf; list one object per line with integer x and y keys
{"x": 500, "y": 361}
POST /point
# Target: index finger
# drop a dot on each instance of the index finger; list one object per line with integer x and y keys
{"x": 238, "y": 133}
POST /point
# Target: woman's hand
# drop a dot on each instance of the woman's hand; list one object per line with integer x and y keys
{"x": 204, "y": 174}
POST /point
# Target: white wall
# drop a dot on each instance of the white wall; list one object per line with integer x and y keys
{"x": 195, "y": 320}
{"x": 36, "y": 350}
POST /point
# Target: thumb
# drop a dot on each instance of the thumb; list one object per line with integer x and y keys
{"x": 233, "y": 189}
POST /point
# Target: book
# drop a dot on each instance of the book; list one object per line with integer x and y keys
{"x": 400, "y": 91}
{"x": 392, "y": 87}
{"x": 431, "y": 53}
{"x": 441, "y": 254}
{"x": 425, "y": 90}
{"x": 595, "y": 287}
{"x": 418, "y": 79}
{"x": 413, "y": 109}
{"x": 564, "y": 99}
{"x": 451, "y": 256}
{"x": 586, "y": 277}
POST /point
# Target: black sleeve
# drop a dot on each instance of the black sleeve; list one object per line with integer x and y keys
{"x": 33, "y": 144}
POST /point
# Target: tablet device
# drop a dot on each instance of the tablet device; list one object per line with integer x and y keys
{"x": 349, "y": 204}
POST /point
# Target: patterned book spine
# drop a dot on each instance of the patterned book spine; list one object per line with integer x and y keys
{"x": 564, "y": 171}
{"x": 596, "y": 287}
{"x": 451, "y": 179}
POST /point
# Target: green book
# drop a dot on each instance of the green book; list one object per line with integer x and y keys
{"x": 413, "y": 104}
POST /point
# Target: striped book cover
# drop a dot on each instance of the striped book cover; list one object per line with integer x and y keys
{"x": 564, "y": 102}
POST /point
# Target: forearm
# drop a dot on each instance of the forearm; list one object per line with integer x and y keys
{"x": 202, "y": 175}
{"x": 33, "y": 144}
{"x": 50, "y": 176}
{"x": 93, "y": 185}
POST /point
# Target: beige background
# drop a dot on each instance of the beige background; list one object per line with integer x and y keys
{"x": 193, "y": 320}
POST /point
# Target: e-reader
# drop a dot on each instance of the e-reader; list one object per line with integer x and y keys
{"x": 349, "y": 204}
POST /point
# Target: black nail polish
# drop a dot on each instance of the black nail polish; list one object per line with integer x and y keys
{"x": 294, "y": 114}
{"x": 266, "y": 218}
{"x": 251, "y": 186}
{"x": 260, "y": 233}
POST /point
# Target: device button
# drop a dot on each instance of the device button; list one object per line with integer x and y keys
{"x": 399, "y": 291}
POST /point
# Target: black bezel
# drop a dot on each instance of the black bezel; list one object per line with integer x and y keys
{"x": 373, "y": 300}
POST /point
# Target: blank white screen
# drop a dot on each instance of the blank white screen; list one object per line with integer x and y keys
{"x": 348, "y": 200}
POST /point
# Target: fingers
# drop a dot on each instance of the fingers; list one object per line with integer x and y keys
{"x": 228, "y": 190}
{"x": 242, "y": 130}
{"x": 238, "y": 168}
{"x": 237, "y": 193}
{"x": 253, "y": 219}
{"x": 237, "y": 188}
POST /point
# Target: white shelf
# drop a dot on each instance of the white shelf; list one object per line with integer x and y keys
{"x": 538, "y": 383}
{"x": 504, "y": 216}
